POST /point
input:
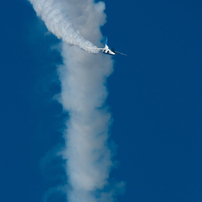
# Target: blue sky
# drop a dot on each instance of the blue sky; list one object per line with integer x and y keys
{"x": 154, "y": 96}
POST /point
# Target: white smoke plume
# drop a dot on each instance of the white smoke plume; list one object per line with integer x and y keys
{"x": 58, "y": 19}
{"x": 83, "y": 93}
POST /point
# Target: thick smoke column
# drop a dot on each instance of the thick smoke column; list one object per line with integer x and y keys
{"x": 83, "y": 93}
{"x": 56, "y": 15}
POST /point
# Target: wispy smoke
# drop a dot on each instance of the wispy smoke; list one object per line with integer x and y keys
{"x": 83, "y": 93}
{"x": 58, "y": 19}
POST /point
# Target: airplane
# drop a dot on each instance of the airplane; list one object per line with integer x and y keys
{"x": 107, "y": 50}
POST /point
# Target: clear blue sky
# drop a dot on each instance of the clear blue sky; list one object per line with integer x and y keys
{"x": 155, "y": 96}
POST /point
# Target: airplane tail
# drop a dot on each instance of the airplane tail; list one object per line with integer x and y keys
{"x": 106, "y": 46}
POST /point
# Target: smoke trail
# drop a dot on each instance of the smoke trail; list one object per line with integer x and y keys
{"x": 83, "y": 93}
{"x": 56, "y": 15}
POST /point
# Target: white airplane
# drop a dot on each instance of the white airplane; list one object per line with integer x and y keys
{"x": 107, "y": 50}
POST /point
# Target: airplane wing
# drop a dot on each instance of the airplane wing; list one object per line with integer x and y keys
{"x": 120, "y": 53}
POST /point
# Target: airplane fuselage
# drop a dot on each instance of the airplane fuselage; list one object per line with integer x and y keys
{"x": 107, "y": 50}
